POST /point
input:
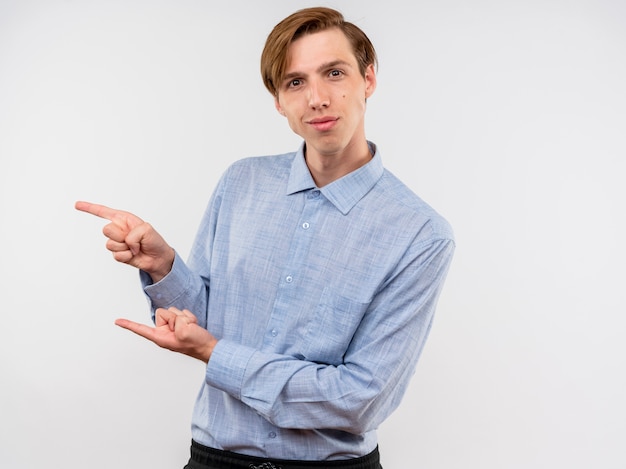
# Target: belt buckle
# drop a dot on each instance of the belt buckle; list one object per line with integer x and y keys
{"x": 265, "y": 465}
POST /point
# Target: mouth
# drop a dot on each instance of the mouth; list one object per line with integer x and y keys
{"x": 323, "y": 123}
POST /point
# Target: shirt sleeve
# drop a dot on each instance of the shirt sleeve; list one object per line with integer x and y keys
{"x": 357, "y": 395}
{"x": 180, "y": 288}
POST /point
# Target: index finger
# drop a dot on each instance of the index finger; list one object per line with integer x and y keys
{"x": 140, "y": 329}
{"x": 101, "y": 211}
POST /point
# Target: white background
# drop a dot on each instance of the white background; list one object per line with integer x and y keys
{"x": 509, "y": 117}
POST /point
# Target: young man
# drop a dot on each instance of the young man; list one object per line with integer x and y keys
{"x": 312, "y": 282}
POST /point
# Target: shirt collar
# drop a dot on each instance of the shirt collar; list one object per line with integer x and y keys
{"x": 345, "y": 192}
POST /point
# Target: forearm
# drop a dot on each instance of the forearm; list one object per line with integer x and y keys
{"x": 181, "y": 288}
{"x": 293, "y": 393}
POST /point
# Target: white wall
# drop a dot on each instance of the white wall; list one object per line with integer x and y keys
{"x": 507, "y": 116}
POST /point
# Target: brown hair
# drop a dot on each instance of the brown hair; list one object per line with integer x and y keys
{"x": 308, "y": 21}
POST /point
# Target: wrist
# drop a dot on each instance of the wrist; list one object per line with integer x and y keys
{"x": 207, "y": 351}
{"x": 164, "y": 268}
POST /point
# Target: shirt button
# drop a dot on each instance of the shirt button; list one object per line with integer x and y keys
{"x": 288, "y": 279}
{"x": 272, "y": 434}
{"x": 314, "y": 194}
{"x": 305, "y": 226}
{"x": 274, "y": 332}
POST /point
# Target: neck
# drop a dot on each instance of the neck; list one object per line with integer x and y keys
{"x": 326, "y": 168}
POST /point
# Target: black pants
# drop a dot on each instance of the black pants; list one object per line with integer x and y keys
{"x": 203, "y": 457}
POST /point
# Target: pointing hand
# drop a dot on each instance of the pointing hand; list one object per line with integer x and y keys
{"x": 133, "y": 241}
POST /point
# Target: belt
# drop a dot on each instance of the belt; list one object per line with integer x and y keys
{"x": 211, "y": 458}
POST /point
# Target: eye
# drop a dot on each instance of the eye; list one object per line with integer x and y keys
{"x": 294, "y": 83}
{"x": 335, "y": 73}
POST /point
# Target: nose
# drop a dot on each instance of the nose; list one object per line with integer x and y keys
{"x": 318, "y": 96}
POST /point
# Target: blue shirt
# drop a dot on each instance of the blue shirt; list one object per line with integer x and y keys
{"x": 321, "y": 298}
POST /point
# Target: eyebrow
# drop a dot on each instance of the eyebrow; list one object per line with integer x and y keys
{"x": 321, "y": 68}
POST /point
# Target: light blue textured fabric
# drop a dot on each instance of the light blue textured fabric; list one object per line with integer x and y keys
{"x": 322, "y": 299}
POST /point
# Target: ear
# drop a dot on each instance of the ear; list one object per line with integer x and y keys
{"x": 370, "y": 80}
{"x": 279, "y": 108}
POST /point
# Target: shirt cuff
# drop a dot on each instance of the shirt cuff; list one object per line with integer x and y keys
{"x": 167, "y": 290}
{"x": 227, "y": 367}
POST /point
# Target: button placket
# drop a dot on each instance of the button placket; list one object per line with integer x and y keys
{"x": 295, "y": 264}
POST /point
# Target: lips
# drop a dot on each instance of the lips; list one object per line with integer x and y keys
{"x": 323, "y": 123}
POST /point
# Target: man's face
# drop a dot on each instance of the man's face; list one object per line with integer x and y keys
{"x": 323, "y": 93}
